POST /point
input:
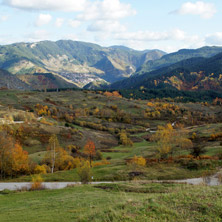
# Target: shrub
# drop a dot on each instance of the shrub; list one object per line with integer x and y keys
{"x": 84, "y": 171}
{"x": 66, "y": 162}
{"x": 40, "y": 169}
{"x": 37, "y": 183}
{"x": 140, "y": 161}
{"x": 99, "y": 155}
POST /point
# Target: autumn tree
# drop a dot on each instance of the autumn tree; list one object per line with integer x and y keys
{"x": 13, "y": 159}
{"x": 6, "y": 144}
{"x": 57, "y": 157}
{"x": 19, "y": 160}
{"x": 169, "y": 140}
{"x": 53, "y": 147}
{"x": 90, "y": 150}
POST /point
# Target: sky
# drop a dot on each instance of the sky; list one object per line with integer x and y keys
{"x": 139, "y": 24}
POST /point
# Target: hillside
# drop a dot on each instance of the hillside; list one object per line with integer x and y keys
{"x": 42, "y": 81}
{"x": 79, "y": 62}
{"x": 190, "y": 74}
{"x": 7, "y": 80}
{"x": 175, "y": 57}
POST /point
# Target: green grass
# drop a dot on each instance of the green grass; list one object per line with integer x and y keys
{"x": 37, "y": 157}
{"x": 118, "y": 203}
{"x": 214, "y": 150}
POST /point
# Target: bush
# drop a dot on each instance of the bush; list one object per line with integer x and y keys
{"x": 37, "y": 183}
{"x": 40, "y": 169}
{"x": 84, "y": 171}
{"x": 140, "y": 161}
{"x": 99, "y": 155}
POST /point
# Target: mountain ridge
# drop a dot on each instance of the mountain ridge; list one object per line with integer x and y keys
{"x": 182, "y": 54}
{"x": 79, "y": 62}
{"x": 190, "y": 74}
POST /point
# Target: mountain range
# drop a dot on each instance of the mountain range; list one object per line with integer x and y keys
{"x": 77, "y": 62}
{"x": 190, "y": 75}
{"x": 73, "y": 64}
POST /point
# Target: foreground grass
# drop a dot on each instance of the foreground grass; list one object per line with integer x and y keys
{"x": 112, "y": 202}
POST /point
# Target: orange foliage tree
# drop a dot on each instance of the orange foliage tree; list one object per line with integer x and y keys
{"x": 20, "y": 161}
{"x": 90, "y": 150}
{"x": 13, "y": 159}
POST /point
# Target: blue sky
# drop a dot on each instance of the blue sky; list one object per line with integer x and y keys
{"x": 139, "y": 24}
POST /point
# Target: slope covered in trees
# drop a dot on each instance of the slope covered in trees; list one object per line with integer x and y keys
{"x": 191, "y": 74}
{"x": 175, "y": 57}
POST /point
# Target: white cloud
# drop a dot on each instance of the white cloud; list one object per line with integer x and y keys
{"x": 214, "y": 39}
{"x": 106, "y": 10}
{"x": 176, "y": 34}
{"x": 43, "y": 19}
{"x": 53, "y": 5}
{"x": 74, "y": 23}
{"x": 59, "y": 22}
{"x": 169, "y": 41}
{"x": 106, "y": 26}
{"x": 203, "y": 9}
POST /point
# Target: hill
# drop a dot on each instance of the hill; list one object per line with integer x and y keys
{"x": 175, "y": 57}
{"x": 190, "y": 74}
{"x": 42, "y": 81}
{"x": 79, "y": 62}
{"x": 7, "y": 80}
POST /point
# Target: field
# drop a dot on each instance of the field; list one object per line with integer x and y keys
{"x": 114, "y": 202}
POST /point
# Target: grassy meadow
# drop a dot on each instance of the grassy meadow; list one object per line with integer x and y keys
{"x": 114, "y": 202}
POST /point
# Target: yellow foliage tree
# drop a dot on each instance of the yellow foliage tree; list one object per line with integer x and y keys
{"x": 169, "y": 139}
